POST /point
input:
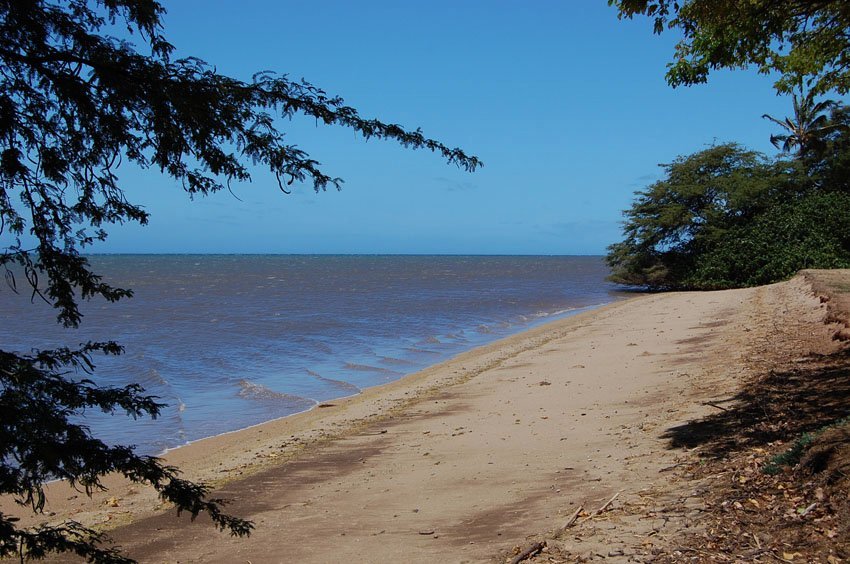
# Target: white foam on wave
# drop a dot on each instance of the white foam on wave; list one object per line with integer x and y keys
{"x": 540, "y": 314}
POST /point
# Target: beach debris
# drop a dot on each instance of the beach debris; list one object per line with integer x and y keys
{"x": 530, "y": 551}
{"x": 570, "y": 522}
{"x": 427, "y": 532}
{"x": 604, "y": 506}
{"x": 544, "y": 383}
{"x": 713, "y": 404}
{"x": 326, "y": 405}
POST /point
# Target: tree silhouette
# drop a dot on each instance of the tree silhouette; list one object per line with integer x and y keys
{"x": 76, "y": 103}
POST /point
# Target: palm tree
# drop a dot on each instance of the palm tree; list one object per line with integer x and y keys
{"x": 808, "y": 127}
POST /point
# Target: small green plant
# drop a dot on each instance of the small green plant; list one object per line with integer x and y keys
{"x": 794, "y": 454}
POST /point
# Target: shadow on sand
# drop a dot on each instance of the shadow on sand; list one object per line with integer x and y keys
{"x": 778, "y": 406}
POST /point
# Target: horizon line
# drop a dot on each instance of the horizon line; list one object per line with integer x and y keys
{"x": 142, "y": 253}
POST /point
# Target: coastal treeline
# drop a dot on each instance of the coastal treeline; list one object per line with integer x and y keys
{"x": 727, "y": 216}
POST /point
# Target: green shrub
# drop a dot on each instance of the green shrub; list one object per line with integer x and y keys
{"x": 726, "y": 217}
{"x": 808, "y": 232}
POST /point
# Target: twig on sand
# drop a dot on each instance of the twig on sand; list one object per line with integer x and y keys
{"x": 570, "y": 522}
{"x": 604, "y": 506}
{"x": 712, "y": 404}
{"x": 529, "y": 552}
{"x": 674, "y": 466}
{"x": 574, "y": 517}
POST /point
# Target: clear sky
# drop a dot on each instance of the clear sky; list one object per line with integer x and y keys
{"x": 566, "y": 105}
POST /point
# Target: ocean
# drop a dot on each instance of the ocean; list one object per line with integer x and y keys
{"x": 230, "y": 341}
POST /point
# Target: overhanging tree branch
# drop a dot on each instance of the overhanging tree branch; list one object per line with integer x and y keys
{"x": 76, "y": 104}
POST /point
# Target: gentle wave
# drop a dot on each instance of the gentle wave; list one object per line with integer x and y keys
{"x": 554, "y": 313}
{"x": 369, "y": 368}
{"x": 396, "y": 361}
{"x": 320, "y": 347}
{"x": 254, "y": 391}
{"x": 152, "y": 378}
{"x": 456, "y": 337}
{"x": 341, "y": 384}
{"x": 545, "y": 314}
{"x": 417, "y": 350}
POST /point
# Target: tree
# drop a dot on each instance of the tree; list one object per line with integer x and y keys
{"x": 808, "y": 128}
{"x": 75, "y": 104}
{"x": 678, "y": 221}
{"x": 830, "y": 166}
{"x": 801, "y": 40}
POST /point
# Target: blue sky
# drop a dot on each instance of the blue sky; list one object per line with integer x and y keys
{"x": 566, "y": 105}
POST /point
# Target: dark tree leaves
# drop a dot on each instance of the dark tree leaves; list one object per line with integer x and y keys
{"x": 807, "y": 42}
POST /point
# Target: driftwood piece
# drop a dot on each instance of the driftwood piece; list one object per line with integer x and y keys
{"x": 528, "y": 552}
{"x": 605, "y": 505}
{"x": 570, "y": 522}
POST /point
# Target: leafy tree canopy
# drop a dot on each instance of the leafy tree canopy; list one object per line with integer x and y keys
{"x": 807, "y": 42}
{"x": 702, "y": 196}
{"x": 728, "y": 217}
{"x": 76, "y": 103}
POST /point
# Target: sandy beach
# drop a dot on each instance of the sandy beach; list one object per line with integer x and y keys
{"x": 471, "y": 460}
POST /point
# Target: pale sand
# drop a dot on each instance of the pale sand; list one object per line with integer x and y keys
{"x": 465, "y": 460}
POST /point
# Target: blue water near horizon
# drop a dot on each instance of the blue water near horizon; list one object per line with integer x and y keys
{"x": 230, "y": 341}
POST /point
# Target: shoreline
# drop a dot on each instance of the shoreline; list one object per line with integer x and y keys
{"x": 363, "y": 320}
{"x": 240, "y": 452}
{"x": 385, "y": 392}
{"x": 541, "y": 321}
